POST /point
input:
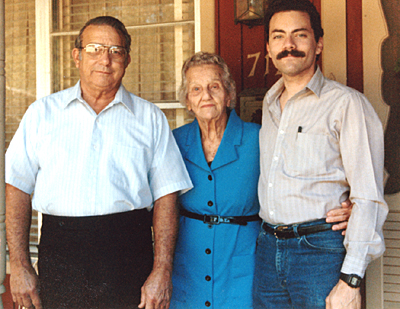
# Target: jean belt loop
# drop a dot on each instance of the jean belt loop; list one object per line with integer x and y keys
{"x": 295, "y": 226}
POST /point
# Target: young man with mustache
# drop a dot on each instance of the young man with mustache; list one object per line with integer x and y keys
{"x": 320, "y": 143}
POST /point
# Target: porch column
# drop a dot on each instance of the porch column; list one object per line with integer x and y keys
{"x": 2, "y": 153}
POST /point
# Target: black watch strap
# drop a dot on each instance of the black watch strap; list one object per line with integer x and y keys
{"x": 352, "y": 280}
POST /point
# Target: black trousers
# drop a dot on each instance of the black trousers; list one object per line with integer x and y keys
{"x": 95, "y": 262}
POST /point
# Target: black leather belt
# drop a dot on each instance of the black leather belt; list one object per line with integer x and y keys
{"x": 287, "y": 231}
{"x": 211, "y": 219}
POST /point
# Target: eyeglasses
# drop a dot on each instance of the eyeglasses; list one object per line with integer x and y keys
{"x": 97, "y": 50}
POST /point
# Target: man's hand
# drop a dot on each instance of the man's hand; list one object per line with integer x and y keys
{"x": 24, "y": 285}
{"x": 24, "y": 281}
{"x": 157, "y": 290}
{"x": 341, "y": 215}
{"x": 343, "y": 296}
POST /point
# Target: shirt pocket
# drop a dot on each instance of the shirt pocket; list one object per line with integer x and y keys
{"x": 129, "y": 166}
{"x": 310, "y": 155}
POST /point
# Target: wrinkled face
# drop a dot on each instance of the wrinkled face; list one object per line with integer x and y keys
{"x": 292, "y": 46}
{"x": 100, "y": 73}
{"x": 207, "y": 97}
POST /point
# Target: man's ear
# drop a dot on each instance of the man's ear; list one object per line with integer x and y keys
{"x": 320, "y": 46}
{"x": 267, "y": 47}
{"x": 128, "y": 60}
{"x": 75, "y": 56}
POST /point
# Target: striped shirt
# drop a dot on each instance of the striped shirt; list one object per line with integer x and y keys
{"x": 325, "y": 146}
{"x": 79, "y": 163}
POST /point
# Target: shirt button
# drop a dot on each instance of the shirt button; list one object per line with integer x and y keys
{"x": 208, "y": 278}
{"x": 271, "y": 213}
{"x": 208, "y": 251}
{"x": 275, "y": 158}
{"x": 270, "y": 185}
{"x": 208, "y": 304}
{"x": 281, "y": 131}
{"x": 209, "y": 177}
{"x": 210, "y": 203}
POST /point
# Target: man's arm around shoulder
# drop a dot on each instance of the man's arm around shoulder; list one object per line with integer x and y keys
{"x": 24, "y": 281}
{"x": 157, "y": 290}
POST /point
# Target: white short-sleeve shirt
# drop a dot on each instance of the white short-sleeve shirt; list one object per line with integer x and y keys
{"x": 79, "y": 163}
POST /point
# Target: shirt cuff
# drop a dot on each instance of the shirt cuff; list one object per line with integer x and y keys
{"x": 352, "y": 265}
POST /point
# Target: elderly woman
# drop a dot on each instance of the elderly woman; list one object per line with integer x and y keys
{"x": 214, "y": 257}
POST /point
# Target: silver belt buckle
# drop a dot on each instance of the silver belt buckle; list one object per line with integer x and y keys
{"x": 214, "y": 220}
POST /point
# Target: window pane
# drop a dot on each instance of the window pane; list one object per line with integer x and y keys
{"x": 20, "y": 62}
{"x": 71, "y": 15}
{"x": 172, "y": 116}
{"x": 151, "y": 74}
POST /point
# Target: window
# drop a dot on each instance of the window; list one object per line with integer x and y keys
{"x": 20, "y": 62}
{"x": 20, "y": 67}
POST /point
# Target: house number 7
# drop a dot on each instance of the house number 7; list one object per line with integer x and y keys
{"x": 257, "y": 56}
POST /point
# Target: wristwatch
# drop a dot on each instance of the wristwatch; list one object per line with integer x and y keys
{"x": 352, "y": 280}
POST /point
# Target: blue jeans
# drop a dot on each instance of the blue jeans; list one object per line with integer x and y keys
{"x": 298, "y": 272}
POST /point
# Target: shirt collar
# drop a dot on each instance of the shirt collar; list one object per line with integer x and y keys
{"x": 122, "y": 96}
{"x": 316, "y": 82}
{"x": 315, "y": 85}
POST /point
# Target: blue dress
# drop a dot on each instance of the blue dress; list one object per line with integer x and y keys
{"x": 214, "y": 264}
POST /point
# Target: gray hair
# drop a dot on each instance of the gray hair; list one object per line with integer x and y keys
{"x": 106, "y": 21}
{"x": 203, "y": 58}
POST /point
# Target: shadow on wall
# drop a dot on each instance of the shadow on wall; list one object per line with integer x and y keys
{"x": 391, "y": 94}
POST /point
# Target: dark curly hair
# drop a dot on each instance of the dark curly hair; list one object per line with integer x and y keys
{"x": 276, "y": 6}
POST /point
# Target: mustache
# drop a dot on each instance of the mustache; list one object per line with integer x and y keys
{"x": 294, "y": 53}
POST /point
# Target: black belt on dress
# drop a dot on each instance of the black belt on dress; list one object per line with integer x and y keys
{"x": 212, "y": 219}
{"x": 288, "y": 231}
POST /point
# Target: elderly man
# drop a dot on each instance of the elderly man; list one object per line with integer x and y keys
{"x": 320, "y": 143}
{"x": 97, "y": 158}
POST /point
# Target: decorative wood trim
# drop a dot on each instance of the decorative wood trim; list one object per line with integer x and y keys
{"x": 333, "y": 16}
{"x": 43, "y": 48}
{"x": 374, "y": 32}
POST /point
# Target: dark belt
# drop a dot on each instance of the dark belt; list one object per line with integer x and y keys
{"x": 287, "y": 231}
{"x": 211, "y": 219}
{"x": 138, "y": 217}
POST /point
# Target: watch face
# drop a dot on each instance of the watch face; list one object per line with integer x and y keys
{"x": 354, "y": 281}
